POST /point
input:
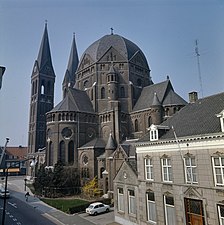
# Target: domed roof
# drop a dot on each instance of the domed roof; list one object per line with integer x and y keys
{"x": 125, "y": 47}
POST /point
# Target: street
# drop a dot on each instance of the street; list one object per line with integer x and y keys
{"x": 20, "y": 213}
{"x": 36, "y": 212}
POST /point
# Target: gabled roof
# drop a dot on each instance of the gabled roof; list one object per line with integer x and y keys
{"x": 95, "y": 143}
{"x": 199, "y": 118}
{"x": 165, "y": 94}
{"x": 75, "y": 100}
{"x": 18, "y": 152}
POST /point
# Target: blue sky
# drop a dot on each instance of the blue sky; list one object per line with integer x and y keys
{"x": 165, "y": 30}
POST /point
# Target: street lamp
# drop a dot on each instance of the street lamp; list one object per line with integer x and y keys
{"x": 6, "y": 183}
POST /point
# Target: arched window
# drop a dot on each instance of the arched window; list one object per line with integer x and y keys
{"x": 136, "y": 125}
{"x": 51, "y": 151}
{"x": 102, "y": 93}
{"x": 71, "y": 152}
{"x": 33, "y": 88}
{"x": 149, "y": 121}
{"x": 122, "y": 92}
{"x": 101, "y": 172}
{"x": 61, "y": 155}
{"x": 42, "y": 88}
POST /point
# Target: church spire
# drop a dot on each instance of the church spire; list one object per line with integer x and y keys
{"x": 44, "y": 57}
{"x": 69, "y": 78}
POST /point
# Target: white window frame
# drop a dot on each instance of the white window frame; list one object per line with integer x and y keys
{"x": 221, "y": 218}
{"x": 120, "y": 200}
{"x": 150, "y": 204}
{"x": 190, "y": 170}
{"x": 220, "y": 167}
{"x": 154, "y": 136}
{"x": 167, "y": 169}
{"x": 131, "y": 202}
{"x": 148, "y": 169}
{"x": 166, "y": 206}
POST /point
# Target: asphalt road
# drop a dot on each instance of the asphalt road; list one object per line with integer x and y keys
{"x": 20, "y": 213}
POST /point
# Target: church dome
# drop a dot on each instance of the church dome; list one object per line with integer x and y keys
{"x": 124, "y": 46}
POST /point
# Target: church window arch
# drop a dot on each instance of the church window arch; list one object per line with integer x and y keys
{"x": 102, "y": 93}
{"x": 42, "y": 87}
{"x": 167, "y": 112}
{"x": 67, "y": 117}
{"x": 51, "y": 154}
{"x": 71, "y": 152}
{"x": 61, "y": 155}
{"x": 149, "y": 121}
{"x": 101, "y": 172}
{"x": 33, "y": 88}
{"x": 136, "y": 125}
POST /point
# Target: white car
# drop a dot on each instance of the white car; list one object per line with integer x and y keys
{"x": 96, "y": 208}
{"x": 2, "y": 193}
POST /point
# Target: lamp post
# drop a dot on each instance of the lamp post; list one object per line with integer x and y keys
{"x": 6, "y": 183}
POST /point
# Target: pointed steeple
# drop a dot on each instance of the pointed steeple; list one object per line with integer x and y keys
{"x": 69, "y": 78}
{"x": 44, "y": 57}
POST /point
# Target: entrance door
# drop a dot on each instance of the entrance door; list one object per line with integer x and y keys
{"x": 194, "y": 212}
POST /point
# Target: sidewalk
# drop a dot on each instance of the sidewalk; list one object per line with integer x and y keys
{"x": 58, "y": 217}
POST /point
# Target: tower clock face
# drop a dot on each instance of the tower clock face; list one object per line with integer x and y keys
{"x": 66, "y": 133}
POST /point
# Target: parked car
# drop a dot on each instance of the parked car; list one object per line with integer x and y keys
{"x": 2, "y": 193}
{"x": 96, "y": 208}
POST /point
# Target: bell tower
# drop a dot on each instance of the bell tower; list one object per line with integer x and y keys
{"x": 42, "y": 95}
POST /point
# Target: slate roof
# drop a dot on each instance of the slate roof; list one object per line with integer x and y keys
{"x": 129, "y": 149}
{"x": 72, "y": 65}
{"x": 95, "y": 143}
{"x": 194, "y": 119}
{"x": 111, "y": 143}
{"x": 75, "y": 100}
{"x": 165, "y": 93}
{"x": 125, "y": 47}
{"x": 44, "y": 55}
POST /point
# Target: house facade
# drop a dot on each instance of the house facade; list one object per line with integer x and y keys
{"x": 180, "y": 166}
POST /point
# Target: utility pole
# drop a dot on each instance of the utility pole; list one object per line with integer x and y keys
{"x": 199, "y": 68}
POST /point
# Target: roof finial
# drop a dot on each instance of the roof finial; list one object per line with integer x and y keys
{"x": 45, "y": 23}
{"x": 112, "y": 31}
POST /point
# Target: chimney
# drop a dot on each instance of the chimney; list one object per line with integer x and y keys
{"x": 193, "y": 96}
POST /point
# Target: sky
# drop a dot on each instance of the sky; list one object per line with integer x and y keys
{"x": 165, "y": 30}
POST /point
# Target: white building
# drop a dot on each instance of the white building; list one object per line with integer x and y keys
{"x": 180, "y": 170}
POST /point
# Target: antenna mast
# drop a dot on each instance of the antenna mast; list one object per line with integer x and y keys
{"x": 199, "y": 68}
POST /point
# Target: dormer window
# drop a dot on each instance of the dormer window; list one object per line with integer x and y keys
{"x": 154, "y": 133}
{"x": 221, "y": 117}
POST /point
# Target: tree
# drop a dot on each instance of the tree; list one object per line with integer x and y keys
{"x": 90, "y": 189}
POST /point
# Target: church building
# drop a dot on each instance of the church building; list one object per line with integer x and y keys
{"x": 109, "y": 101}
